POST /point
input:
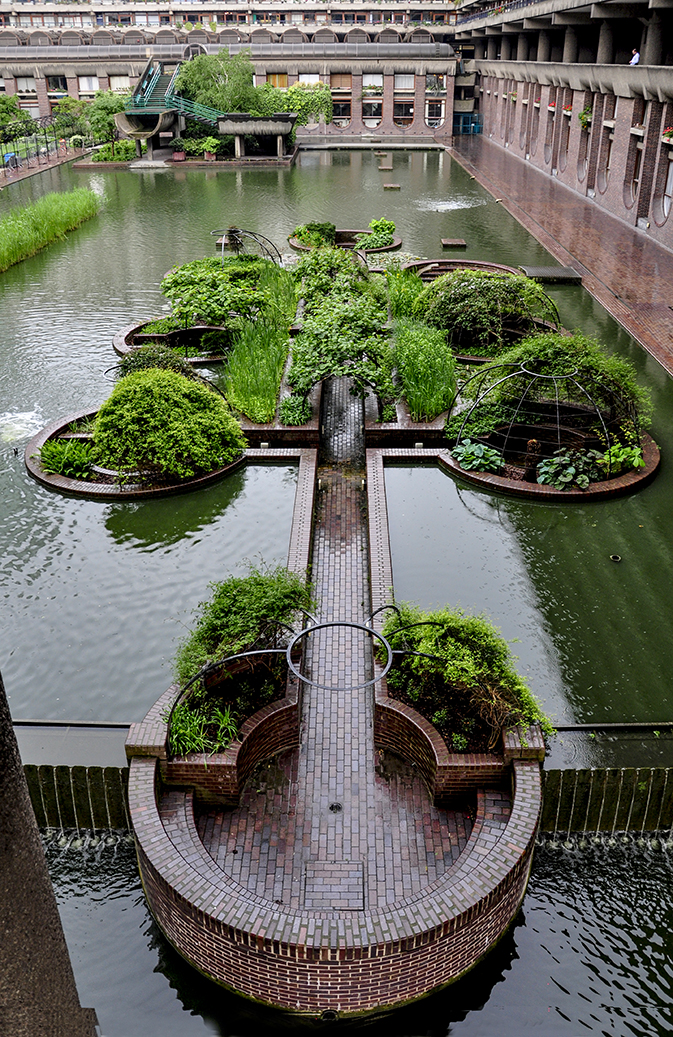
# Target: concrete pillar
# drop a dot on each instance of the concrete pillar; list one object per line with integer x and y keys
{"x": 139, "y": 148}
{"x": 280, "y": 146}
{"x": 543, "y": 46}
{"x": 506, "y": 48}
{"x": 654, "y": 45}
{"x": 37, "y": 986}
{"x": 606, "y": 47}
{"x": 522, "y": 47}
{"x": 570, "y": 46}
{"x": 239, "y": 146}
{"x": 42, "y": 96}
{"x": 492, "y": 48}
{"x": 480, "y": 49}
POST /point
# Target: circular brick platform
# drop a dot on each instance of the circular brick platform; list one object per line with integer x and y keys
{"x": 347, "y": 239}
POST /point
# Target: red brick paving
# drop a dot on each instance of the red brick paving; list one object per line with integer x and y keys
{"x": 336, "y": 825}
{"x": 631, "y": 276}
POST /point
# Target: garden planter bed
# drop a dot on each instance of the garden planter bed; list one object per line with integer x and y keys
{"x": 279, "y": 435}
{"x": 131, "y": 337}
{"x": 347, "y": 239}
{"x": 110, "y": 490}
{"x": 430, "y": 270}
{"x": 619, "y": 486}
{"x": 405, "y": 431}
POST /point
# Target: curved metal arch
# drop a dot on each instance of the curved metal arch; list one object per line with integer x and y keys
{"x": 235, "y": 238}
{"x": 340, "y": 623}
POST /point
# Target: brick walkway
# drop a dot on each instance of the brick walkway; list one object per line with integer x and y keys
{"x": 8, "y": 177}
{"x": 631, "y": 276}
{"x": 336, "y": 825}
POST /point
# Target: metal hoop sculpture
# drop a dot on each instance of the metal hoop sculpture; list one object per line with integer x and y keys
{"x": 242, "y": 241}
{"x": 340, "y": 623}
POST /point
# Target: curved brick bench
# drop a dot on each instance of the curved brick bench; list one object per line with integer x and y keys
{"x": 629, "y": 482}
{"x": 312, "y": 960}
{"x": 344, "y": 961}
{"x": 131, "y": 337}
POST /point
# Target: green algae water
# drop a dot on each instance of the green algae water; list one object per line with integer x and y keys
{"x": 94, "y": 596}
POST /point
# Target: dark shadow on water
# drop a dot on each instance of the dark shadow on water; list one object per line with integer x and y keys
{"x": 432, "y": 1016}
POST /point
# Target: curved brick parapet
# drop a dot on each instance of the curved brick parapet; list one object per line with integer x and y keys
{"x": 344, "y": 961}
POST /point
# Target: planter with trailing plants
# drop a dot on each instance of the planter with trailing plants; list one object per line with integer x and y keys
{"x": 380, "y": 237}
{"x": 178, "y": 148}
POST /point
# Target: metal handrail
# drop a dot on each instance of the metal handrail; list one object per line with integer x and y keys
{"x": 141, "y": 101}
{"x": 181, "y": 104}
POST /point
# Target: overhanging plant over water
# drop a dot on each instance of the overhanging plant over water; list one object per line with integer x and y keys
{"x": 462, "y": 678}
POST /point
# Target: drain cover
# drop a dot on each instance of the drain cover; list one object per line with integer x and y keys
{"x": 335, "y": 807}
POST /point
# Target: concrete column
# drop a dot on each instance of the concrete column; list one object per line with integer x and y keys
{"x": 543, "y": 45}
{"x": 42, "y": 96}
{"x": 492, "y": 48}
{"x": 280, "y": 146}
{"x": 522, "y": 47}
{"x": 506, "y": 48}
{"x": 37, "y": 986}
{"x": 606, "y": 47}
{"x": 239, "y": 146}
{"x": 73, "y": 86}
{"x": 654, "y": 45}
{"x": 570, "y": 46}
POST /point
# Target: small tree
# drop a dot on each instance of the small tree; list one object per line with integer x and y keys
{"x": 221, "y": 81}
{"x": 70, "y": 117}
{"x": 101, "y": 116}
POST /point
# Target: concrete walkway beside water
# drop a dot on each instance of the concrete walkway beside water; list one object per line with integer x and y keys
{"x": 631, "y": 276}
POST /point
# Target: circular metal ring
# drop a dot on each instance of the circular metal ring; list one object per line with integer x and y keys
{"x": 536, "y": 374}
{"x": 339, "y": 623}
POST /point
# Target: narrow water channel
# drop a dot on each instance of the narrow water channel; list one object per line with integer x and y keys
{"x": 94, "y": 596}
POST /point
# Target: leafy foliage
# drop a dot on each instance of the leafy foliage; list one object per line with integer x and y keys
{"x": 205, "y": 291}
{"x": 482, "y": 312}
{"x": 381, "y": 233}
{"x": 221, "y": 81}
{"x": 160, "y": 422}
{"x": 115, "y": 151}
{"x": 315, "y": 234}
{"x": 241, "y": 613}
{"x": 571, "y": 469}
{"x": 404, "y": 287}
{"x": 426, "y": 368}
{"x": 153, "y": 356}
{"x": 24, "y": 231}
{"x": 100, "y": 115}
{"x": 295, "y": 410}
{"x": 255, "y": 368}
{"x": 69, "y": 457}
{"x": 620, "y": 459}
{"x": 464, "y": 682}
{"x": 477, "y": 457}
{"x": 201, "y": 727}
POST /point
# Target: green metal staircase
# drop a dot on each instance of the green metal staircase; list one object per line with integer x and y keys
{"x": 154, "y": 94}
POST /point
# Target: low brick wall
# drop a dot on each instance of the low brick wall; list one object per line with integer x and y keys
{"x": 311, "y": 961}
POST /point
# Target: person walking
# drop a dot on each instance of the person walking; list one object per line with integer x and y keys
{"x": 636, "y": 57}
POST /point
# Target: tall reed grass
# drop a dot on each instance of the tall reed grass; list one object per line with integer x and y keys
{"x": 256, "y": 363}
{"x": 426, "y": 368}
{"x": 23, "y": 232}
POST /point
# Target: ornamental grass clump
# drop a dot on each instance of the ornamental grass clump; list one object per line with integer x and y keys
{"x": 25, "y": 231}
{"x": 160, "y": 423}
{"x": 241, "y": 613}
{"x": 463, "y": 681}
{"x": 484, "y": 312}
{"x": 425, "y": 367}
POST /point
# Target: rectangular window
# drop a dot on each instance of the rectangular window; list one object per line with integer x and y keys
{"x": 2, "y": 86}
{"x": 309, "y": 77}
{"x": 25, "y": 85}
{"x": 435, "y": 84}
{"x": 372, "y": 110}
{"x": 278, "y": 79}
{"x": 341, "y": 81}
{"x": 434, "y": 113}
{"x": 403, "y": 113}
{"x": 141, "y": 19}
{"x": 404, "y": 82}
{"x": 342, "y": 113}
{"x": 120, "y": 83}
{"x": 59, "y": 83}
{"x": 372, "y": 81}
{"x": 88, "y": 84}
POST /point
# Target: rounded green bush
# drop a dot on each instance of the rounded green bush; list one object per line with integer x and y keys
{"x": 160, "y": 422}
{"x": 153, "y": 356}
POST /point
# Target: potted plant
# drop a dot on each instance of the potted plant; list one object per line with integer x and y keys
{"x": 178, "y": 147}
{"x": 209, "y": 146}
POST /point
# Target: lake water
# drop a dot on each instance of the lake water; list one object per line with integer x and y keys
{"x": 94, "y": 596}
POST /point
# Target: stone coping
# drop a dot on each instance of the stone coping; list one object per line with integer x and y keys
{"x": 434, "y": 268}
{"x": 346, "y": 242}
{"x": 123, "y": 343}
{"x": 133, "y": 492}
{"x": 621, "y": 485}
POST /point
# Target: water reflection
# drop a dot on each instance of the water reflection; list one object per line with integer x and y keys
{"x": 590, "y": 952}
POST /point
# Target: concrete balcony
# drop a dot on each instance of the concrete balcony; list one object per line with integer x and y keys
{"x": 464, "y": 105}
{"x": 652, "y": 82}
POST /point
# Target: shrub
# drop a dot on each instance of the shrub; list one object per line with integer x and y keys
{"x": 153, "y": 356}
{"x": 295, "y": 410}
{"x": 69, "y": 457}
{"x": 160, "y": 422}
{"x": 315, "y": 234}
{"x": 120, "y": 151}
{"x": 381, "y": 233}
{"x": 241, "y": 613}
{"x": 482, "y": 312}
{"x": 207, "y": 291}
{"x": 571, "y": 469}
{"x": 464, "y": 681}
{"x": 426, "y": 368}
